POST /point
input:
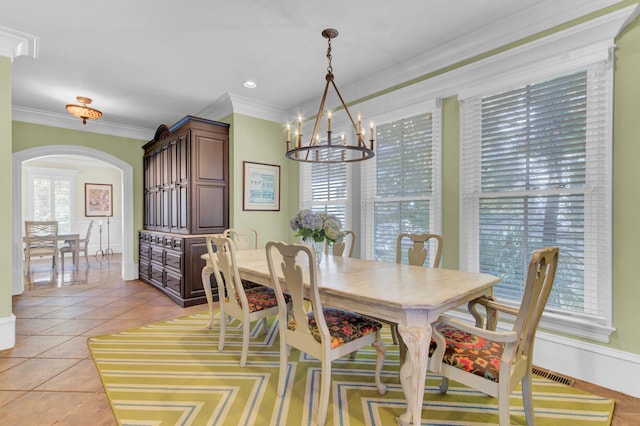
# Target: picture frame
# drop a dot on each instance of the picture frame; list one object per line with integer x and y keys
{"x": 261, "y": 186}
{"x": 98, "y": 199}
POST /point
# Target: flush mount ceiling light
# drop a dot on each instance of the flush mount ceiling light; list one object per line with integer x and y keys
{"x": 250, "y": 84}
{"x": 83, "y": 111}
{"x": 330, "y": 151}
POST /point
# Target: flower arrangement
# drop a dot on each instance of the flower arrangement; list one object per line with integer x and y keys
{"x": 317, "y": 227}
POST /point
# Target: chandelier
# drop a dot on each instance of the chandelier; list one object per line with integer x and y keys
{"x": 83, "y": 111}
{"x": 330, "y": 150}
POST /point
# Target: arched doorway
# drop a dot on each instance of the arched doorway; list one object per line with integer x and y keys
{"x": 129, "y": 269}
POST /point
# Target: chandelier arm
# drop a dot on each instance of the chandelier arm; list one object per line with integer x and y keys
{"x": 344, "y": 105}
{"x": 319, "y": 115}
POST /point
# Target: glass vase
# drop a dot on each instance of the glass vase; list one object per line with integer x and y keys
{"x": 318, "y": 249}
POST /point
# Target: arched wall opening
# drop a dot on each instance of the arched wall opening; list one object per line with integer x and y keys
{"x": 129, "y": 268}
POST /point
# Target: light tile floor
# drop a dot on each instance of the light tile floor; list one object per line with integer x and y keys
{"x": 49, "y": 378}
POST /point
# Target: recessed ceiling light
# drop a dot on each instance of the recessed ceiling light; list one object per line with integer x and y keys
{"x": 249, "y": 84}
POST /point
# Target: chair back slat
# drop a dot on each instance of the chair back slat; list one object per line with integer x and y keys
{"x": 338, "y": 249}
{"x": 298, "y": 263}
{"x": 244, "y": 239}
{"x": 539, "y": 282}
{"x": 421, "y": 246}
{"x": 225, "y": 268}
{"x": 41, "y": 234}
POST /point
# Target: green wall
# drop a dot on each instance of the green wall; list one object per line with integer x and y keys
{"x": 5, "y": 189}
{"x": 262, "y": 141}
{"x": 626, "y": 189}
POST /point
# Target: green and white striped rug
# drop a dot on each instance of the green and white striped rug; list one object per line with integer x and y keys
{"x": 171, "y": 373}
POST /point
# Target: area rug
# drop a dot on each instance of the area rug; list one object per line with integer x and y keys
{"x": 171, "y": 373}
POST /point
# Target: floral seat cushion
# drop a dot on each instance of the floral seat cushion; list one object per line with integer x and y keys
{"x": 470, "y": 352}
{"x": 263, "y": 297}
{"x": 344, "y": 326}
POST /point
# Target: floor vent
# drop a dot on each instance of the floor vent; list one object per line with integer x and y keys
{"x": 547, "y": 374}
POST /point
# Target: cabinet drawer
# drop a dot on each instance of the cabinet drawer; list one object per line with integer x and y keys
{"x": 173, "y": 243}
{"x": 144, "y": 269}
{"x": 173, "y": 281}
{"x": 156, "y": 274}
{"x": 157, "y": 254}
{"x": 173, "y": 259}
{"x": 145, "y": 251}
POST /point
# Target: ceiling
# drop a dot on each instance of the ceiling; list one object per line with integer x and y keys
{"x": 148, "y": 62}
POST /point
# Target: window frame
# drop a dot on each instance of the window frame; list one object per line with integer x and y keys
{"x": 52, "y": 174}
{"x": 598, "y": 328}
{"x": 368, "y": 186}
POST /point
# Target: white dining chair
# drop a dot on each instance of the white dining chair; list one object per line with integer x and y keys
{"x": 41, "y": 239}
{"x": 247, "y": 305}
{"x": 324, "y": 333}
{"x": 495, "y": 362}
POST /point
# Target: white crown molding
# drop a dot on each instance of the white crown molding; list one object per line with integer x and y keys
{"x": 15, "y": 43}
{"x": 501, "y": 33}
{"x": 231, "y": 103}
{"x": 66, "y": 121}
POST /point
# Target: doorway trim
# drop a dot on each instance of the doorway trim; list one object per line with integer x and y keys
{"x": 129, "y": 268}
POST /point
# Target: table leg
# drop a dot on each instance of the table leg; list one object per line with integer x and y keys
{"x": 76, "y": 254}
{"x": 206, "y": 284}
{"x": 414, "y": 370}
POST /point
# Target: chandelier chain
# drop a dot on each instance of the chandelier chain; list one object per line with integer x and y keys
{"x": 329, "y": 68}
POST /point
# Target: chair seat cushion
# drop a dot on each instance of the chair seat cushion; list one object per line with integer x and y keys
{"x": 344, "y": 326}
{"x": 469, "y": 352}
{"x": 263, "y": 297}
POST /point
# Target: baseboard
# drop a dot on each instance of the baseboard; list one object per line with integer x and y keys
{"x": 7, "y": 332}
{"x": 597, "y": 364}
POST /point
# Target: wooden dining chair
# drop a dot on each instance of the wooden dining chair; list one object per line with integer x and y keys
{"x": 41, "y": 239}
{"x": 83, "y": 247}
{"x": 338, "y": 249}
{"x": 496, "y": 362}
{"x": 246, "y": 305}
{"x": 324, "y": 333}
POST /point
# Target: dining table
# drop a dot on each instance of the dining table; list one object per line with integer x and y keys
{"x": 411, "y": 296}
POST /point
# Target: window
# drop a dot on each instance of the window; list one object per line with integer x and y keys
{"x": 402, "y": 185}
{"x": 51, "y": 196}
{"x": 535, "y": 172}
{"x": 328, "y": 183}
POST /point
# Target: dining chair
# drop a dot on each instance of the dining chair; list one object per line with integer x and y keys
{"x": 41, "y": 239}
{"x": 338, "y": 249}
{"x": 83, "y": 247}
{"x": 495, "y": 362}
{"x": 323, "y": 333}
{"x": 246, "y": 305}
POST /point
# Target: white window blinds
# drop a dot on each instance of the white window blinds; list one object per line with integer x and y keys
{"x": 403, "y": 187}
{"x": 324, "y": 187}
{"x": 536, "y": 172}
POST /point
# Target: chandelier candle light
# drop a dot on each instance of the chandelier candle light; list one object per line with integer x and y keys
{"x": 331, "y": 151}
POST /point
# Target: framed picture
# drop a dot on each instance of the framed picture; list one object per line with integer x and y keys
{"x": 261, "y": 186}
{"x": 98, "y": 199}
